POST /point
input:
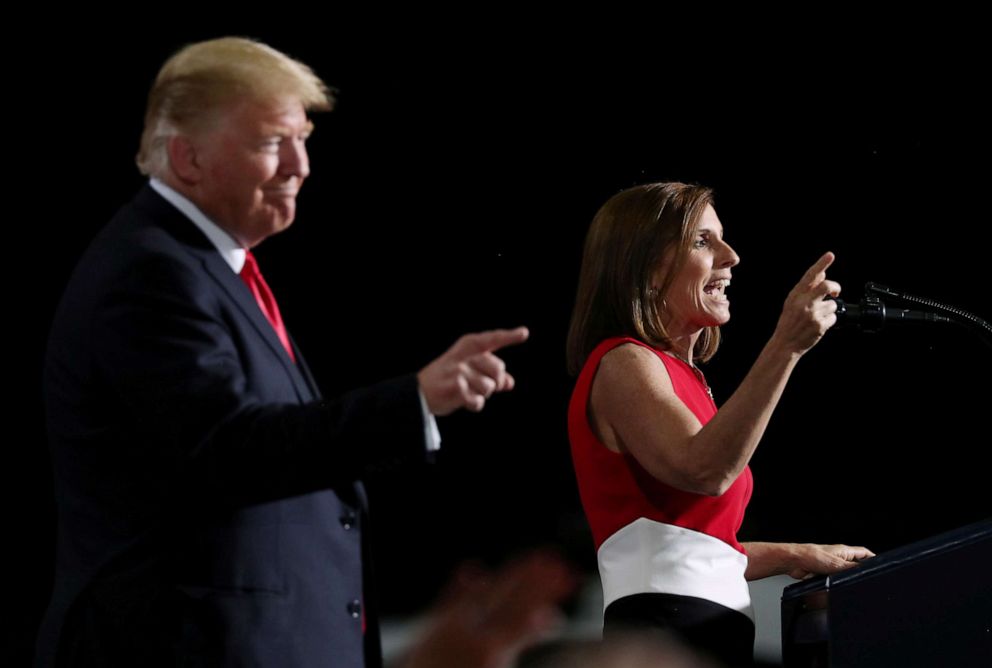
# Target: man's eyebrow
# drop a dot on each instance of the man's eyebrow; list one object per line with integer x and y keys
{"x": 284, "y": 131}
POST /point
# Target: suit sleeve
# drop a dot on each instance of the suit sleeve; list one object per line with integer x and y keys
{"x": 174, "y": 363}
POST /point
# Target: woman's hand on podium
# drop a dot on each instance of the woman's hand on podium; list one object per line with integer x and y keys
{"x": 801, "y": 560}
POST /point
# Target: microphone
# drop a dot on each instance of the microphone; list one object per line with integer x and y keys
{"x": 871, "y": 314}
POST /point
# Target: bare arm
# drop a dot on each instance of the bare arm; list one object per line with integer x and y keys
{"x": 800, "y": 560}
{"x": 633, "y": 406}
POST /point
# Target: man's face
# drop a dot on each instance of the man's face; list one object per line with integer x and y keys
{"x": 253, "y": 162}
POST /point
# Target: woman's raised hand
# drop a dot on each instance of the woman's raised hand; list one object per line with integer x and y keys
{"x": 807, "y": 314}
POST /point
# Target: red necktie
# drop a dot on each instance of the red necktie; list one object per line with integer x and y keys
{"x": 266, "y": 301}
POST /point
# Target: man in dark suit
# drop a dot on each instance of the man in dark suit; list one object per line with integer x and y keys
{"x": 209, "y": 505}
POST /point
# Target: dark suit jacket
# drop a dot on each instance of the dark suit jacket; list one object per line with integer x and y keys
{"x": 208, "y": 507}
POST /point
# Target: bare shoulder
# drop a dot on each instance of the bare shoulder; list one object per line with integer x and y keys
{"x": 630, "y": 364}
{"x": 633, "y": 407}
{"x": 623, "y": 372}
{"x": 630, "y": 380}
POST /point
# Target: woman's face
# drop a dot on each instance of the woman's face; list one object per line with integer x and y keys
{"x": 696, "y": 298}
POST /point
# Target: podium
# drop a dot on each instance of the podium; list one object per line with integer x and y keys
{"x": 927, "y": 604}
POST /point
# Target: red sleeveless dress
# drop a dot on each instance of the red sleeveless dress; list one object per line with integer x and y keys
{"x": 649, "y": 536}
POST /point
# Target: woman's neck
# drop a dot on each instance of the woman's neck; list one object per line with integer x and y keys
{"x": 682, "y": 346}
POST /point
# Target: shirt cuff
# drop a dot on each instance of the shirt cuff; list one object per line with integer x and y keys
{"x": 432, "y": 437}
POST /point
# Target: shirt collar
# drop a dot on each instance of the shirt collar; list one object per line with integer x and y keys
{"x": 229, "y": 249}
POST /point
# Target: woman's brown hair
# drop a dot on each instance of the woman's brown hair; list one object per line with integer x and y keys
{"x": 629, "y": 238}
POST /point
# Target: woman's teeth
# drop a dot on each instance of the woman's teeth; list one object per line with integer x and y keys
{"x": 717, "y": 286}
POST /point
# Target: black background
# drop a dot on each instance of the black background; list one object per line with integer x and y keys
{"x": 451, "y": 190}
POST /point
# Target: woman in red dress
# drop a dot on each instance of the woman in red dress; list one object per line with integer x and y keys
{"x": 663, "y": 475}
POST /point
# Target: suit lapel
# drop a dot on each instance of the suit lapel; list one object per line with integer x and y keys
{"x": 230, "y": 283}
{"x": 235, "y": 288}
{"x": 304, "y": 369}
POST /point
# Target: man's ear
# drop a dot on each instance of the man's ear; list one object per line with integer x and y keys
{"x": 184, "y": 159}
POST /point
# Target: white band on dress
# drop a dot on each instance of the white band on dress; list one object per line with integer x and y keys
{"x": 648, "y": 556}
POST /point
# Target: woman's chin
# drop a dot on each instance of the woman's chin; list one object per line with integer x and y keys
{"x": 715, "y": 318}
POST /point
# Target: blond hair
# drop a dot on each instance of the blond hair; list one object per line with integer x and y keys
{"x": 202, "y": 78}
